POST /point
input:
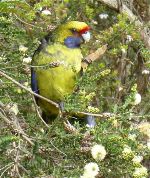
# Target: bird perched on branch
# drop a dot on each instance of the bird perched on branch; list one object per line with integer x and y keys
{"x": 57, "y": 64}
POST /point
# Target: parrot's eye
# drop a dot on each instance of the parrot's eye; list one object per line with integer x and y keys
{"x": 73, "y": 30}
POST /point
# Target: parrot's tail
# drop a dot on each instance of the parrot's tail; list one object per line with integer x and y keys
{"x": 48, "y": 118}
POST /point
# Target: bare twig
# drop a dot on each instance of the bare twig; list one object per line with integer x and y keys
{"x": 103, "y": 115}
{"x": 38, "y": 113}
{"x": 22, "y": 21}
{"x": 14, "y": 124}
{"x": 96, "y": 55}
{"x": 7, "y": 168}
{"x": 49, "y": 65}
{"x": 16, "y": 160}
{"x": 27, "y": 89}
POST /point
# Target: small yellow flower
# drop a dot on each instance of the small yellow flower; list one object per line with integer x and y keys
{"x": 115, "y": 122}
{"x": 105, "y": 72}
{"x": 90, "y": 170}
{"x": 127, "y": 152}
{"x": 19, "y": 90}
{"x": 98, "y": 152}
{"x": 92, "y": 109}
{"x": 26, "y": 84}
{"x": 140, "y": 172}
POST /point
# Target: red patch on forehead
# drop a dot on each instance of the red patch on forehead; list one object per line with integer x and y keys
{"x": 85, "y": 29}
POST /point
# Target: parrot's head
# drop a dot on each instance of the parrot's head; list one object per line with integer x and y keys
{"x": 73, "y": 33}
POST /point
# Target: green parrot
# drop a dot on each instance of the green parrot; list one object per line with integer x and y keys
{"x": 56, "y": 65}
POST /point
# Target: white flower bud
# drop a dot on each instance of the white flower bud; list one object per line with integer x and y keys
{"x": 94, "y": 22}
{"x": 120, "y": 88}
{"x": 140, "y": 172}
{"x": 46, "y": 12}
{"x": 132, "y": 136}
{"x": 27, "y": 60}
{"x": 103, "y": 16}
{"x": 129, "y": 38}
{"x": 90, "y": 170}
{"x": 98, "y": 152}
{"x": 137, "y": 99}
{"x": 146, "y": 72}
{"x": 123, "y": 50}
{"x": 23, "y": 48}
{"x": 137, "y": 159}
{"x": 148, "y": 144}
{"x": 127, "y": 152}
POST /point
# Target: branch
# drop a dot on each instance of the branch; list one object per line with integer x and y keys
{"x": 102, "y": 115}
{"x": 13, "y": 124}
{"x": 28, "y": 90}
{"x": 96, "y": 55}
{"x": 22, "y": 21}
{"x": 133, "y": 18}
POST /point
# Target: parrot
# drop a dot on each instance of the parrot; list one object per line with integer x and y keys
{"x": 55, "y": 66}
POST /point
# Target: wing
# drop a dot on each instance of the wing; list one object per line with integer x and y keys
{"x": 34, "y": 84}
{"x": 43, "y": 43}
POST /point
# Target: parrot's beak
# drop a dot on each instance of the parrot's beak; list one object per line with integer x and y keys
{"x": 86, "y": 36}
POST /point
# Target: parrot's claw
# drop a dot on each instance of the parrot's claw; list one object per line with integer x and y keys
{"x": 90, "y": 120}
{"x": 62, "y": 106}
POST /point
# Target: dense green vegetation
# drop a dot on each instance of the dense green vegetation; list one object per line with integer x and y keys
{"x": 116, "y": 87}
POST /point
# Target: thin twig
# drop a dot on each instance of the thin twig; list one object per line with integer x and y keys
{"x": 107, "y": 115}
{"x": 28, "y": 90}
{"x": 38, "y": 113}
{"x": 27, "y": 22}
{"x": 15, "y": 125}
{"x": 57, "y": 148}
{"x": 6, "y": 169}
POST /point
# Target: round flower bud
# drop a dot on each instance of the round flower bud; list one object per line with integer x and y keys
{"x": 140, "y": 172}
{"x": 137, "y": 159}
{"x": 91, "y": 170}
{"x": 127, "y": 152}
{"x": 23, "y": 48}
{"x": 27, "y": 60}
{"x": 98, "y": 152}
{"x": 46, "y": 12}
{"x": 103, "y": 16}
{"x": 137, "y": 99}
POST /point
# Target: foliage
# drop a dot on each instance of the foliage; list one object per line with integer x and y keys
{"x": 109, "y": 85}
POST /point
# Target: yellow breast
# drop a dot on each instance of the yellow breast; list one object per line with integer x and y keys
{"x": 55, "y": 83}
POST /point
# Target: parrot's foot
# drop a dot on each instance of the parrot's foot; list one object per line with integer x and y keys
{"x": 62, "y": 106}
{"x": 90, "y": 120}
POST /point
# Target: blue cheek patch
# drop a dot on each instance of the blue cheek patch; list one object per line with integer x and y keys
{"x": 73, "y": 42}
